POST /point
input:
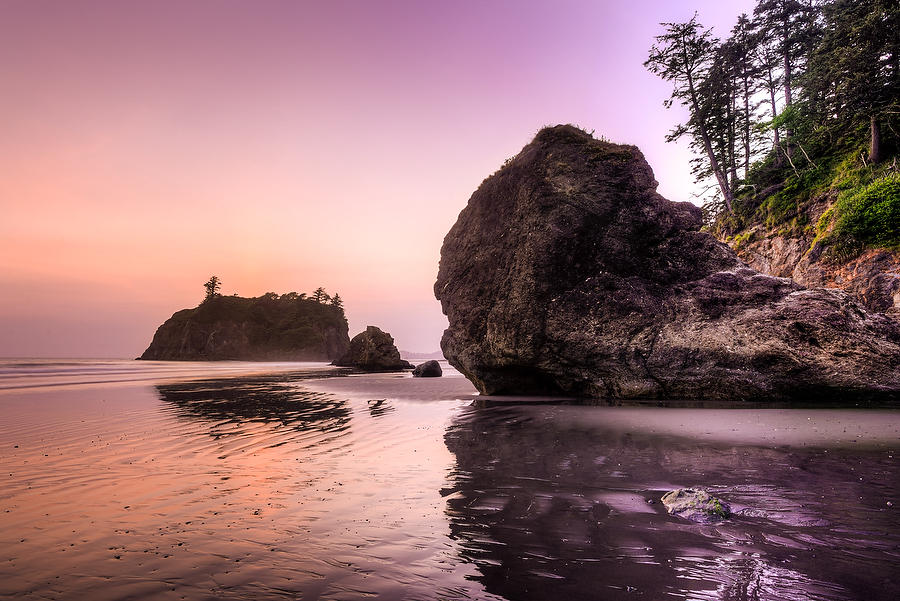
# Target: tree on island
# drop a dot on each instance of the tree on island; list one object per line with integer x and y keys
{"x": 320, "y": 296}
{"x": 213, "y": 285}
{"x": 336, "y": 301}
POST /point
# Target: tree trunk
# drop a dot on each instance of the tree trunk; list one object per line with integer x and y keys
{"x": 721, "y": 178}
{"x": 746, "y": 126}
{"x": 787, "y": 84}
{"x": 875, "y": 141}
{"x": 777, "y": 143}
{"x": 787, "y": 78}
{"x": 786, "y": 52}
{"x": 732, "y": 135}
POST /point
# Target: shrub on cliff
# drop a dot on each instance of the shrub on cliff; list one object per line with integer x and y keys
{"x": 872, "y": 215}
{"x": 867, "y": 216}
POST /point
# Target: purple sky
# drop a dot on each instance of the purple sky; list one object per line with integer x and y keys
{"x": 284, "y": 146}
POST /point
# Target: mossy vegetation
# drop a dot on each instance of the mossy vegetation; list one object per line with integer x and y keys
{"x": 796, "y": 110}
{"x": 861, "y": 201}
{"x": 718, "y": 509}
{"x": 741, "y": 239}
{"x": 865, "y": 217}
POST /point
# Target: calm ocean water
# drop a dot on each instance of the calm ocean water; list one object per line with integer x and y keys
{"x": 133, "y": 480}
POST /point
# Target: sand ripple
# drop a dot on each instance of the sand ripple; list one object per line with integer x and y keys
{"x": 290, "y": 486}
{"x": 250, "y": 488}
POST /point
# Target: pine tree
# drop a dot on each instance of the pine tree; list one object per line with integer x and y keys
{"x": 855, "y": 70}
{"x": 809, "y": 71}
{"x": 744, "y": 39}
{"x": 791, "y": 25}
{"x": 336, "y": 301}
{"x": 320, "y": 296}
{"x": 765, "y": 60}
{"x": 716, "y": 93}
{"x": 212, "y": 286}
{"x": 684, "y": 55}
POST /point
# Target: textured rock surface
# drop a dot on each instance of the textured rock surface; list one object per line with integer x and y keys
{"x": 696, "y": 505}
{"x": 873, "y": 278}
{"x": 568, "y": 273}
{"x": 265, "y": 328}
{"x": 429, "y": 369}
{"x": 373, "y": 350}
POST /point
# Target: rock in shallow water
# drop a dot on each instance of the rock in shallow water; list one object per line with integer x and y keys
{"x": 567, "y": 273}
{"x": 373, "y": 350}
{"x": 429, "y": 369}
{"x": 696, "y": 505}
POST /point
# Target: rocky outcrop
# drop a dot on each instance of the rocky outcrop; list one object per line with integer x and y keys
{"x": 696, "y": 505}
{"x": 568, "y": 273}
{"x": 873, "y": 277}
{"x": 429, "y": 369}
{"x": 373, "y": 350}
{"x": 265, "y": 328}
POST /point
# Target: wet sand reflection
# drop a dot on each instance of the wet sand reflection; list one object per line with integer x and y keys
{"x": 549, "y": 502}
{"x": 264, "y": 399}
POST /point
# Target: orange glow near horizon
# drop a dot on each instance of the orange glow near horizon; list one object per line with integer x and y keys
{"x": 282, "y": 147}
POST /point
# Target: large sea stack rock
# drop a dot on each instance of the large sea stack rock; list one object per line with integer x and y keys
{"x": 373, "y": 350}
{"x": 567, "y": 273}
{"x": 264, "y": 328}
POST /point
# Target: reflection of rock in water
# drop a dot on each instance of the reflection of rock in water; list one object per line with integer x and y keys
{"x": 379, "y": 407}
{"x": 550, "y": 510}
{"x": 274, "y": 398}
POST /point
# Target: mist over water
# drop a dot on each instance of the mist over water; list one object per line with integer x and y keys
{"x": 289, "y": 485}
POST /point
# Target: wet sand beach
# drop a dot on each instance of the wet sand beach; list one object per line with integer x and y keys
{"x": 291, "y": 485}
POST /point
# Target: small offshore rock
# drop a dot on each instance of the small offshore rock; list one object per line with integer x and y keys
{"x": 696, "y": 505}
{"x": 373, "y": 350}
{"x": 429, "y": 369}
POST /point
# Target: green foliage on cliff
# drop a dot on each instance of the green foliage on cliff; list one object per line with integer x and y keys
{"x": 797, "y": 108}
{"x": 859, "y": 200}
{"x": 282, "y": 323}
{"x": 867, "y": 216}
{"x": 278, "y": 312}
